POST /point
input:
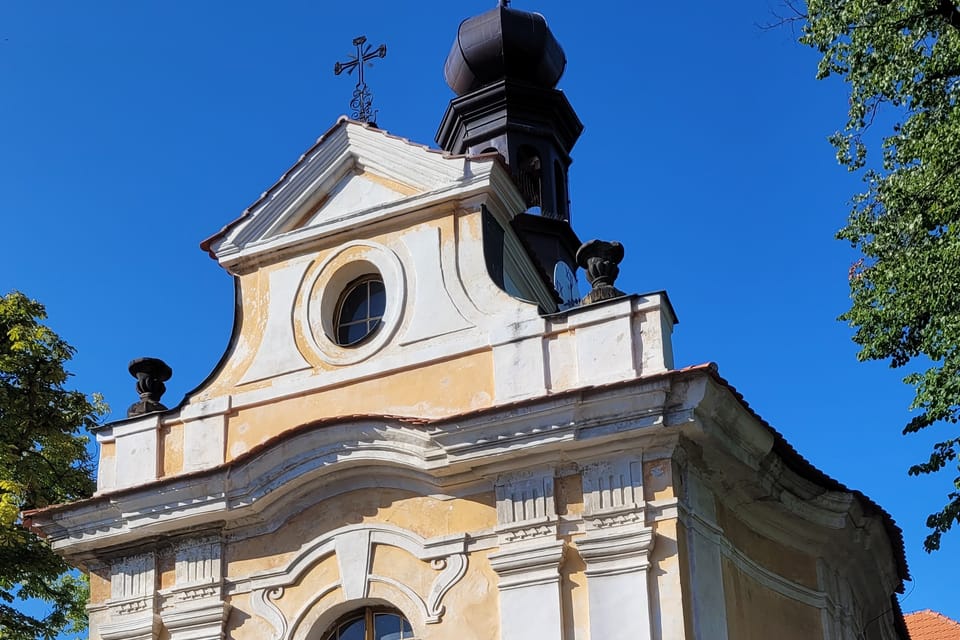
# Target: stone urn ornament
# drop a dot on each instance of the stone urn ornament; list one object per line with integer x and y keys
{"x": 600, "y": 260}
{"x": 150, "y": 373}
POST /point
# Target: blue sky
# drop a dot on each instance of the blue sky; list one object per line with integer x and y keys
{"x": 130, "y": 131}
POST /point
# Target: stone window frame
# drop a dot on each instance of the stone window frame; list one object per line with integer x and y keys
{"x": 324, "y": 291}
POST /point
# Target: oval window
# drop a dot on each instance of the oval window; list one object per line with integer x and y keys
{"x": 360, "y": 310}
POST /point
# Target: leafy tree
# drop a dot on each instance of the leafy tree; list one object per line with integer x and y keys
{"x": 43, "y": 460}
{"x": 901, "y": 60}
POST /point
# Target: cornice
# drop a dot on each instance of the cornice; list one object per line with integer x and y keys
{"x": 752, "y": 478}
{"x": 453, "y": 455}
{"x": 348, "y": 147}
{"x": 242, "y": 257}
{"x": 460, "y": 454}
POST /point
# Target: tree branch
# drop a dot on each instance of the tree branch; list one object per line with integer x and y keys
{"x": 795, "y": 15}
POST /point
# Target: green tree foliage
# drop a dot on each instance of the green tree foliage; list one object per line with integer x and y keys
{"x": 901, "y": 60}
{"x": 43, "y": 461}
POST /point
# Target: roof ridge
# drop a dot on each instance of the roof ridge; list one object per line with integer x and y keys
{"x": 342, "y": 121}
{"x": 933, "y": 613}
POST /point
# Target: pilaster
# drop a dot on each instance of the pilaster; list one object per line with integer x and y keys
{"x": 616, "y": 549}
{"x": 839, "y": 617}
{"x": 132, "y": 607}
{"x": 708, "y": 613}
{"x": 529, "y": 557}
{"x": 194, "y": 608}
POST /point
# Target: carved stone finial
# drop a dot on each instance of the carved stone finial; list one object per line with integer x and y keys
{"x": 599, "y": 259}
{"x": 150, "y": 373}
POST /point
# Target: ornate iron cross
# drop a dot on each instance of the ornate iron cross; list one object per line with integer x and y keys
{"x": 362, "y": 103}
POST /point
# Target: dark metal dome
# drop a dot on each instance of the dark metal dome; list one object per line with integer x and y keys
{"x": 504, "y": 43}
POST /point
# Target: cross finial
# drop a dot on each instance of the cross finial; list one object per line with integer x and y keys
{"x": 362, "y": 102}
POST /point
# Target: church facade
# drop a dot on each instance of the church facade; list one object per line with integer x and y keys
{"x": 421, "y": 429}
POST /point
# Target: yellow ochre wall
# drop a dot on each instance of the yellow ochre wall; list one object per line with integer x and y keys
{"x": 784, "y": 561}
{"x": 470, "y": 606}
{"x": 431, "y": 390}
{"x": 445, "y": 388}
{"x": 755, "y": 611}
{"x": 254, "y": 295}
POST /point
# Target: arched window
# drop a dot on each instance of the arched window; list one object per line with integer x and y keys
{"x": 560, "y": 193}
{"x": 371, "y": 623}
{"x": 529, "y": 175}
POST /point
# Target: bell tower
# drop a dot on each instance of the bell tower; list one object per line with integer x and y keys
{"x": 504, "y": 67}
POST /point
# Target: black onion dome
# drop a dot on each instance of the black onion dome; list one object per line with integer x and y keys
{"x": 504, "y": 44}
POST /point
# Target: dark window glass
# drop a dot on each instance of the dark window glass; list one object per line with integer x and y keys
{"x": 389, "y": 626}
{"x": 355, "y": 307}
{"x": 352, "y": 630}
{"x": 360, "y": 310}
{"x": 378, "y": 298}
{"x": 371, "y": 624}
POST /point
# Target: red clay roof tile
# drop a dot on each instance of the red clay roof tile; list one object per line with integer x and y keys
{"x": 930, "y": 625}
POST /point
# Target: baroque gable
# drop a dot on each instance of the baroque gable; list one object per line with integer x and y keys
{"x": 354, "y": 175}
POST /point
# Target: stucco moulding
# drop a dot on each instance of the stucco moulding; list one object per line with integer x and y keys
{"x": 353, "y": 547}
{"x": 354, "y": 175}
{"x": 246, "y": 487}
